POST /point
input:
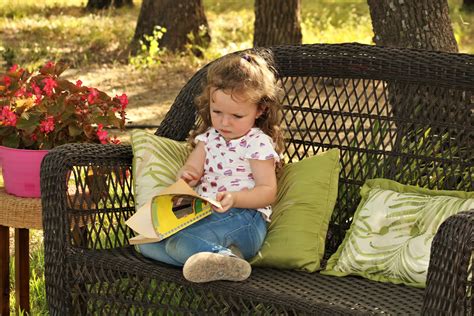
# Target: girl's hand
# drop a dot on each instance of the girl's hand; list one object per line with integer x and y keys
{"x": 193, "y": 169}
{"x": 190, "y": 176}
{"x": 227, "y": 201}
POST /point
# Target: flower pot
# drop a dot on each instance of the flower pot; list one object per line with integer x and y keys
{"x": 21, "y": 171}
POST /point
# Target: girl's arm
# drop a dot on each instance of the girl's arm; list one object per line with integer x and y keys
{"x": 193, "y": 169}
{"x": 262, "y": 195}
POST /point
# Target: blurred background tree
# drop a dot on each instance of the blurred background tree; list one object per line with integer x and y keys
{"x": 413, "y": 24}
{"x": 277, "y": 22}
{"x": 179, "y": 17}
{"x": 468, "y": 5}
{"x": 104, "y": 4}
{"x": 422, "y": 25}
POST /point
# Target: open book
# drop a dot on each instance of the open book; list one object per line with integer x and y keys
{"x": 173, "y": 209}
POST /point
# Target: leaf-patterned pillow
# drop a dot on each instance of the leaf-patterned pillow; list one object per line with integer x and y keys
{"x": 392, "y": 230}
{"x": 156, "y": 161}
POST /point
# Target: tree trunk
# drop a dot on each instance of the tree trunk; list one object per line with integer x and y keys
{"x": 468, "y": 5}
{"x": 179, "y": 17}
{"x": 104, "y": 4}
{"x": 277, "y": 22}
{"x": 423, "y": 24}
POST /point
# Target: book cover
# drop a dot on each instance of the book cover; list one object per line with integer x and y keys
{"x": 173, "y": 209}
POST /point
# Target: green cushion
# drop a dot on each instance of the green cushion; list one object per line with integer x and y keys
{"x": 307, "y": 192}
{"x": 392, "y": 230}
{"x": 156, "y": 162}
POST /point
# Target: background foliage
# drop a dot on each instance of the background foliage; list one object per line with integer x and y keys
{"x": 61, "y": 29}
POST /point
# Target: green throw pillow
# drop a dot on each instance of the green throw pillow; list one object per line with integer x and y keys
{"x": 392, "y": 230}
{"x": 156, "y": 161}
{"x": 307, "y": 193}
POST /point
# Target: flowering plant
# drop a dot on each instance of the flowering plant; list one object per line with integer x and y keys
{"x": 40, "y": 110}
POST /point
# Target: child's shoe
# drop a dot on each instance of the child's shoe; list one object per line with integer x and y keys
{"x": 208, "y": 266}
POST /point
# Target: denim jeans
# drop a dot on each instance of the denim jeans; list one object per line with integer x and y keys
{"x": 242, "y": 228}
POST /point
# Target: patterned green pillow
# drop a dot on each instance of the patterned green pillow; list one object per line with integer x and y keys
{"x": 307, "y": 193}
{"x": 392, "y": 230}
{"x": 156, "y": 161}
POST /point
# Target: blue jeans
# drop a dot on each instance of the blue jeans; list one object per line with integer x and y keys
{"x": 242, "y": 228}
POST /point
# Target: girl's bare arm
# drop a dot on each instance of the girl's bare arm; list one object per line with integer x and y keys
{"x": 193, "y": 169}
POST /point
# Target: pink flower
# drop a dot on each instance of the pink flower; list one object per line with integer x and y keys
{"x": 7, "y": 81}
{"x": 7, "y": 117}
{"x": 92, "y": 96}
{"x": 13, "y": 68}
{"x": 102, "y": 134}
{"x": 49, "y": 64}
{"x": 123, "y": 100}
{"x": 38, "y": 99}
{"x": 78, "y": 83}
{"x": 115, "y": 141}
{"x": 37, "y": 92}
{"x": 21, "y": 92}
{"x": 47, "y": 126}
{"x": 49, "y": 85}
{"x": 36, "y": 89}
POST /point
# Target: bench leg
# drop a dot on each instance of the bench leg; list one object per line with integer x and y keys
{"x": 4, "y": 271}
{"x": 22, "y": 270}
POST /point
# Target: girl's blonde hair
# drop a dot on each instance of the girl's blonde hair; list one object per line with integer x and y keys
{"x": 248, "y": 75}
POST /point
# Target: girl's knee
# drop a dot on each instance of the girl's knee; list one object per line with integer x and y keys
{"x": 145, "y": 249}
{"x": 179, "y": 247}
{"x": 171, "y": 244}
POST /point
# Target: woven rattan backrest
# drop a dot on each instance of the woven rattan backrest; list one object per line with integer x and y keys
{"x": 394, "y": 113}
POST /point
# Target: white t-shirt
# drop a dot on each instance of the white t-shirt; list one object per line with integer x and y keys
{"x": 227, "y": 166}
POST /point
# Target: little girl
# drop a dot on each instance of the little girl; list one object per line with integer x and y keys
{"x": 236, "y": 150}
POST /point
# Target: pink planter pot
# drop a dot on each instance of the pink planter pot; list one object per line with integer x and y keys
{"x": 21, "y": 171}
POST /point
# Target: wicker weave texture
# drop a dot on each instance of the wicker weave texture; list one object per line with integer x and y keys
{"x": 20, "y": 212}
{"x": 400, "y": 114}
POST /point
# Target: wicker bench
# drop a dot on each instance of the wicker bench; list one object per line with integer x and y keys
{"x": 335, "y": 96}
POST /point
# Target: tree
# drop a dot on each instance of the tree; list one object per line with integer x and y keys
{"x": 277, "y": 22}
{"x": 179, "y": 17}
{"x": 104, "y": 4}
{"x": 413, "y": 24}
{"x": 468, "y": 5}
{"x": 422, "y": 24}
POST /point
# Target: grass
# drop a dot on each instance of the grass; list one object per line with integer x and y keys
{"x": 34, "y": 31}
{"x": 37, "y": 283}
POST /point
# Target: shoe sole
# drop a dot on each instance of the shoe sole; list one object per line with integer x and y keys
{"x": 206, "y": 267}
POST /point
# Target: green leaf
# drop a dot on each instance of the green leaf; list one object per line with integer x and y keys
{"x": 28, "y": 142}
{"x": 74, "y": 130}
{"x": 57, "y": 107}
{"x": 11, "y": 141}
{"x": 29, "y": 124}
{"x": 6, "y": 130}
{"x": 47, "y": 144}
{"x": 102, "y": 120}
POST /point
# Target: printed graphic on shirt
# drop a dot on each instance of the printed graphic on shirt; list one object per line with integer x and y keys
{"x": 227, "y": 165}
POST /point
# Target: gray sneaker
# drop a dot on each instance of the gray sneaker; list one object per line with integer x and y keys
{"x": 208, "y": 266}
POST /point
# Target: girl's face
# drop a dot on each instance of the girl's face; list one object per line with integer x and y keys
{"x": 232, "y": 117}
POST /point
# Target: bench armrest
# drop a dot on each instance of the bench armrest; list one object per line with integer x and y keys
{"x": 86, "y": 196}
{"x": 86, "y": 186}
{"x": 449, "y": 280}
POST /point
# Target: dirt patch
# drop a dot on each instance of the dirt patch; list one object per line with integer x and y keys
{"x": 151, "y": 92}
